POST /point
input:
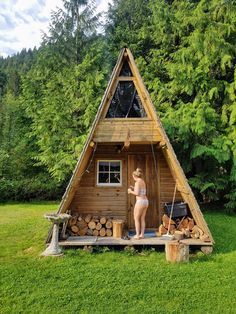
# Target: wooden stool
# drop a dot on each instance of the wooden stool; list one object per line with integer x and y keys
{"x": 117, "y": 228}
{"x": 177, "y": 251}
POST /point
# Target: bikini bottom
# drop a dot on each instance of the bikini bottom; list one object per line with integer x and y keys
{"x": 143, "y": 202}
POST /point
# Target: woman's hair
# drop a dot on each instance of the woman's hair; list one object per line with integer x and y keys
{"x": 138, "y": 173}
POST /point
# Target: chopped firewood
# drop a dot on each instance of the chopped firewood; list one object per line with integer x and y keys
{"x": 166, "y": 220}
{"x": 186, "y": 232}
{"x": 95, "y": 232}
{"x": 89, "y": 232}
{"x": 92, "y": 224}
{"x": 80, "y": 218}
{"x": 75, "y": 229}
{"x": 109, "y": 224}
{"x": 201, "y": 231}
{"x": 196, "y": 232}
{"x": 179, "y": 223}
{"x": 82, "y": 232}
{"x": 72, "y": 234}
{"x": 162, "y": 230}
{"x": 103, "y": 220}
{"x": 190, "y": 224}
{"x": 109, "y": 232}
{"x": 81, "y": 224}
{"x": 172, "y": 228}
{"x": 179, "y": 235}
{"x": 196, "y": 229}
{"x": 72, "y": 221}
{"x": 88, "y": 218}
{"x": 95, "y": 218}
{"x": 103, "y": 232}
{"x": 98, "y": 226}
{"x": 185, "y": 223}
{"x": 205, "y": 238}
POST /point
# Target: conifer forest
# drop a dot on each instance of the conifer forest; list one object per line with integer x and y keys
{"x": 186, "y": 54}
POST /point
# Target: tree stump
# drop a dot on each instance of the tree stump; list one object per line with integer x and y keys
{"x": 117, "y": 228}
{"x": 177, "y": 252}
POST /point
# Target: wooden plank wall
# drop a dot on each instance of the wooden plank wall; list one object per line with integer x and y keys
{"x": 116, "y": 130}
{"x": 113, "y": 201}
{"x": 167, "y": 183}
{"x": 100, "y": 200}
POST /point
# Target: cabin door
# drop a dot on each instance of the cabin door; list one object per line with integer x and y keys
{"x": 145, "y": 162}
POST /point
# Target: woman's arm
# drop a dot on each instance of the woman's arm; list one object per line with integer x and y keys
{"x": 135, "y": 191}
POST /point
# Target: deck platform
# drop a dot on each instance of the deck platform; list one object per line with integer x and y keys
{"x": 110, "y": 241}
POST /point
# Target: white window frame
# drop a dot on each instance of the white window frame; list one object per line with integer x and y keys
{"x": 109, "y": 184}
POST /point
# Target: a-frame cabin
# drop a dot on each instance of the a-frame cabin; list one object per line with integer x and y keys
{"x": 127, "y": 134}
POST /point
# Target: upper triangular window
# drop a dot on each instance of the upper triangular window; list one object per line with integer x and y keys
{"x": 125, "y": 70}
{"x": 126, "y": 102}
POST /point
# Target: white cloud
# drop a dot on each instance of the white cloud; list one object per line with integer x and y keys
{"x": 102, "y": 5}
{"x": 23, "y": 21}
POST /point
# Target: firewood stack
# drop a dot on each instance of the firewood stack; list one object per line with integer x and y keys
{"x": 89, "y": 225}
{"x": 184, "y": 227}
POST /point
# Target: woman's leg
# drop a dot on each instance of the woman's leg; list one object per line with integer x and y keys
{"x": 142, "y": 218}
{"x": 137, "y": 219}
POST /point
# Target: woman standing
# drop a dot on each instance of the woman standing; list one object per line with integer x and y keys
{"x": 141, "y": 205}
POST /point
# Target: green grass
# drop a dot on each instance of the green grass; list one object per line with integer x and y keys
{"x": 110, "y": 281}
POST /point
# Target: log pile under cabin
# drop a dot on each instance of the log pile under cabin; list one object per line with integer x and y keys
{"x": 181, "y": 228}
{"x": 79, "y": 225}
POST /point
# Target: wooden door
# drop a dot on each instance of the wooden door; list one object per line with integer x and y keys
{"x": 145, "y": 162}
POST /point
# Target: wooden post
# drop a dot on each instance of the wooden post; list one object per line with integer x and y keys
{"x": 118, "y": 228}
{"x": 177, "y": 251}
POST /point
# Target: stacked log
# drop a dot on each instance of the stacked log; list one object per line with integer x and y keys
{"x": 184, "y": 227}
{"x": 79, "y": 225}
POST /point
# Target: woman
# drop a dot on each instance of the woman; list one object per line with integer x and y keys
{"x": 141, "y": 205}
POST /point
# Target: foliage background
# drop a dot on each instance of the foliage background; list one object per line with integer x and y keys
{"x": 186, "y": 54}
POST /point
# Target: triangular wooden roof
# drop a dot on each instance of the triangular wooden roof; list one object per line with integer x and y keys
{"x": 173, "y": 163}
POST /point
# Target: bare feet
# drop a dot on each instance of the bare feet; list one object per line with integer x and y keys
{"x": 136, "y": 237}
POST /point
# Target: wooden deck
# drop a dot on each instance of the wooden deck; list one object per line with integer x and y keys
{"x": 110, "y": 241}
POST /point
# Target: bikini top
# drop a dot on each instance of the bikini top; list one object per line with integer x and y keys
{"x": 142, "y": 192}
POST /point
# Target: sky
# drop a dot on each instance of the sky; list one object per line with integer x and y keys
{"x": 23, "y": 21}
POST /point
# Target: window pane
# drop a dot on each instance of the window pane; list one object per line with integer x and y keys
{"x": 125, "y": 71}
{"x": 115, "y": 166}
{"x": 126, "y": 102}
{"x": 103, "y": 178}
{"x": 115, "y": 177}
{"x": 103, "y": 166}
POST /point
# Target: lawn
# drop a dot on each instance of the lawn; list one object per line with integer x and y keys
{"x": 108, "y": 281}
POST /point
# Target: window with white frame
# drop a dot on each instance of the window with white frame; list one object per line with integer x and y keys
{"x": 109, "y": 172}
